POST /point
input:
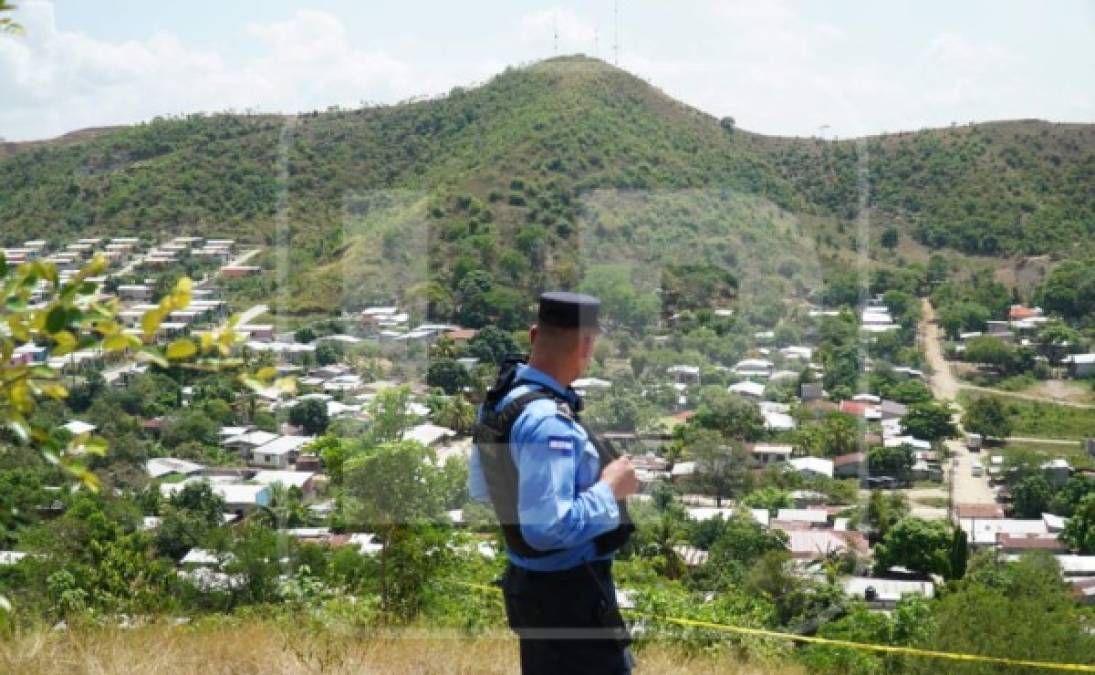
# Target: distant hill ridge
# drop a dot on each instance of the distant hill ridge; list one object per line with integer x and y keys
{"x": 501, "y": 177}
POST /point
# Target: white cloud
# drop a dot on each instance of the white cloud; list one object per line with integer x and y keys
{"x": 56, "y": 81}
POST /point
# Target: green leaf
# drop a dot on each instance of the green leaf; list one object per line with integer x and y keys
{"x": 181, "y": 348}
{"x": 66, "y": 342}
{"x": 154, "y": 357}
{"x": 57, "y": 319}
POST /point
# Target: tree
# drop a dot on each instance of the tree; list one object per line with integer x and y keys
{"x": 910, "y": 391}
{"x": 1080, "y": 529}
{"x": 389, "y": 415}
{"x": 190, "y": 515}
{"x": 731, "y": 415}
{"x": 894, "y": 461}
{"x": 451, "y": 376}
{"x": 1031, "y": 496}
{"x": 930, "y": 421}
{"x": 889, "y": 238}
{"x": 193, "y": 426}
{"x": 959, "y": 553}
{"x": 1020, "y": 610}
{"x": 310, "y": 415}
{"x": 1057, "y": 340}
{"x": 720, "y": 466}
{"x": 742, "y": 543}
{"x": 1070, "y": 290}
{"x": 326, "y": 353}
{"x": 456, "y": 413}
{"x": 491, "y": 345}
{"x": 398, "y": 487}
{"x": 990, "y": 350}
{"x": 919, "y": 545}
{"x": 986, "y": 416}
{"x": 883, "y": 511}
{"x": 727, "y": 124}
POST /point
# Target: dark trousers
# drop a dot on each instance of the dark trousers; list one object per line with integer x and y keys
{"x": 568, "y": 621}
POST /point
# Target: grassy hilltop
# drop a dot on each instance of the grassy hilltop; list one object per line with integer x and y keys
{"x": 539, "y": 172}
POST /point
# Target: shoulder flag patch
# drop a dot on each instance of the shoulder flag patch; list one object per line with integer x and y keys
{"x": 563, "y": 444}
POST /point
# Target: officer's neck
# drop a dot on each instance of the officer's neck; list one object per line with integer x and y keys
{"x": 562, "y": 372}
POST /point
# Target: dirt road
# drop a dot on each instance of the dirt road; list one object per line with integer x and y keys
{"x": 965, "y": 487}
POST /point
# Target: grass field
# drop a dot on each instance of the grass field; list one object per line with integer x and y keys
{"x": 1044, "y": 420}
{"x": 260, "y": 647}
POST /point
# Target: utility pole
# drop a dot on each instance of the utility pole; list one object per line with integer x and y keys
{"x": 555, "y": 30}
{"x": 616, "y": 28}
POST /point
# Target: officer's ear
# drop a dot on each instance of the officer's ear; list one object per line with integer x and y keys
{"x": 533, "y": 333}
{"x": 586, "y": 340}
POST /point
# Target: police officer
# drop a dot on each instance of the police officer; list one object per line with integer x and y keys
{"x": 560, "y": 497}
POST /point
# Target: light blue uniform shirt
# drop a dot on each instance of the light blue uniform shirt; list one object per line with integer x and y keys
{"x": 560, "y": 502}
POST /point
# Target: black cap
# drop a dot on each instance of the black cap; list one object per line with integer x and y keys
{"x": 569, "y": 310}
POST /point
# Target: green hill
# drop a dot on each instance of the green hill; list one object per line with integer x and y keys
{"x": 537, "y": 176}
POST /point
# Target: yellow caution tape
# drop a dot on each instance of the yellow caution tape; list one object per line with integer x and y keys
{"x": 813, "y": 639}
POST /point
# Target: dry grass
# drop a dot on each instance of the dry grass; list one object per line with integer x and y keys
{"x": 261, "y": 647}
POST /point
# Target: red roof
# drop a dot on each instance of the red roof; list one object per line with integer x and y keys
{"x": 979, "y": 511}
{"x": 684, "y": 415}
{"x": 462, "y": 334}
{"x": 1030, "y": 542}
{"x": 857, "y": 408}
{"x": 1020, "y": 312}
{"x": 850, "y": 458}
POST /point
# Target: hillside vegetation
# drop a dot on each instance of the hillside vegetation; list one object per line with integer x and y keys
{"x": 515, "y": 178}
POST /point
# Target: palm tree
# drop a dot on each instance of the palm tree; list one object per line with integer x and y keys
{"x": 456, "y": 413}
{"x": 7, "y": 24}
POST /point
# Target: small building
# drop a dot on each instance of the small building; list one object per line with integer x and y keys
{"x": 280, "y": 452}
{"x": 683, "y": 374}
{"x": 429, "y": 435}
{"x": 812, "y": 466}
{"x": 748, "y": 388}
{"x": 766, "y": 454}
{"x": 158, "y": 467}
{"x": 1080, "y": 365}
{"x": 849, "y": 466}
{"x": 302, "y": 480}
{"x": 813, "y": 517}
{"x": 811, "y": 391}
{"x": 1021, "y": 543}
{"x": 1057, "y": 471}
{"x": 760, "y": 368}
{"x": 142, "y": 292}
{"x": 984, "y": 533}
{"x": 884, "y": 594}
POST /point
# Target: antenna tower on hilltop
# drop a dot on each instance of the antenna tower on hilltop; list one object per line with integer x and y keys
{"x": 616, "y": 38}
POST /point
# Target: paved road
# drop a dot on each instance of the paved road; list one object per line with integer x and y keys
{"x": 251, "y": 313}
{"x": 242, "y": 258}
{"x": 965, "y": 487}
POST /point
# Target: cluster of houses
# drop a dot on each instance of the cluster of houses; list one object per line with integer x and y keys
{"x": 1021, "y": 328}
{"x": 126, "y": 259}
{"x": 986, "y": 527}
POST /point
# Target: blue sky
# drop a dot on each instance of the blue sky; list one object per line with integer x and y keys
{"x": 780, "y": 67}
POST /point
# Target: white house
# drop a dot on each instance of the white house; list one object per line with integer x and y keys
{"x": 753, "y": 368}
{"x": 428, "y": 435}
{"x": 766, "y": 454}
{"x": 747, "y": 388}
{"x": 1080, "y": 365}
{"x": 817, "y": 466}
{"x": 280, "y": 452}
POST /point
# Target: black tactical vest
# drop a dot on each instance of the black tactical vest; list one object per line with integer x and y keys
{"x": 492, "y": 436}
